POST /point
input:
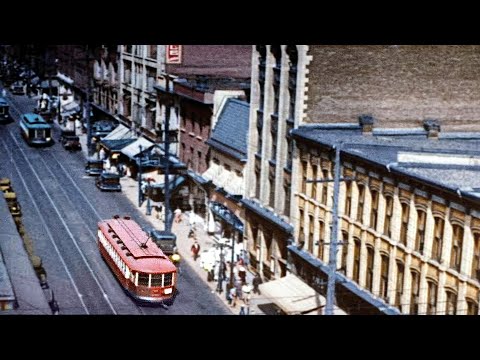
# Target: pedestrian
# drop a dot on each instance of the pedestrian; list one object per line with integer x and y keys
{"x": 195, "y": 250}
{"x": 176, "y": 261}
{"x": 4, "y": 92}
{"x": 233, "y": 296}
{"x": 242, "y": 310}
{"x": 257, "y": 280}
{"x": 178, "y": 215}
{"x": 242, "y": 274}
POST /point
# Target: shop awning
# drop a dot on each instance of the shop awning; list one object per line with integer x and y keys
{"x": 133, "y": 149}
{"x": 294, "y": 296}
{"x": 120, "y": 132}
{"x": 116, "y": 144}
{"x": 172, "y": 184}
{"x": 70, "y": 109}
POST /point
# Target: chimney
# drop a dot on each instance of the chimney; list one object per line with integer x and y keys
{"x": 366, "y": 122}
{"x": 432, "y": 126}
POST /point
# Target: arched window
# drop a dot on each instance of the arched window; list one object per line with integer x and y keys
{"x": 292, "y": 80}
{"x": 356, "y": 260}
{"x": 457, "y": 244}
{"x": 311, "y": 229}
{"x": 420, "y": 237}
{"x": 384, "y": 269}
{"x": 437, "y": 243}
{"x": 476, "y": 255}
{"x": 277, "y": 54}
{"x": 472, "y": 307}
{"x": 432, "y": 289}
{"x": 314, "y": 184}
{"x": 321, "y": 239}
{"x": 370, "y": 258}
{"x": 324, "y": 186}
{"x": 361, "y": 202}
{"x": 387, "y": 225}
{"x": 304, "y": 177}
{"x": 404, "y": 224}
{"x": 343, "y": 269}
{"x": 348, "y": 198}
{"x": 374, "y": 209}
{"x": 414, "y": 291}
{"x": 451, "y": 303}
{"x": 399, "y": 285}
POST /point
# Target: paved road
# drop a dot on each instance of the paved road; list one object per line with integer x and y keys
{"x": 61, "y": 208}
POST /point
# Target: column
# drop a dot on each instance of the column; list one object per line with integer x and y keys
{"x": 429, "y": 231}
{"x": 423, "y": 293}
{"x": 441, "y": 297}
{"x": 468, "y": 248}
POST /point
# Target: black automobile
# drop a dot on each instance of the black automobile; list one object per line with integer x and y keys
{"x": 102, "y": 128}
{"x": 109, "y": 182}
{"x": 4, "y": 111}
{"x": 166, "y": 241}
{"x": 18, "y": 88}
{"x": 72, "y": 143}
{"x": 94, "y": 167}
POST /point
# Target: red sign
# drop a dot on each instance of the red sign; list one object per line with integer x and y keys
{"x": 174, "y": 54}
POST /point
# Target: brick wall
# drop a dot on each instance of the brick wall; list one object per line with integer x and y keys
{"x": 399, "y": 84}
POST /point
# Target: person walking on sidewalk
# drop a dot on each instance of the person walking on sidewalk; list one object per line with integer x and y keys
{"x": 176, "y": 261}
{"x": 178, "y": 215}
{"x": 257, "y": 280}
{"x": 195, "y": 250}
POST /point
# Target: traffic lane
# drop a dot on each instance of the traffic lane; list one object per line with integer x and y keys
{"x": 66, "y": 245}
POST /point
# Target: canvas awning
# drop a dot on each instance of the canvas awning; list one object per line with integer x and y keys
{"x": 120, "y": 132}
{"x": 133, "y": 149}
{"x": 293, "y": 296}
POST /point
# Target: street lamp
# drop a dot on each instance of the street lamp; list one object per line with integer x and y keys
{"x": 149, "y": 206}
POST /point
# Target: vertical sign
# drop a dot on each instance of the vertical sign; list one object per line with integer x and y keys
{"x": 174, "y": 54}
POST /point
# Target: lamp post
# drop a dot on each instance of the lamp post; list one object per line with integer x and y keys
{"x": 220, "y": 272}
{"x": 149, "y": 206}
{"x": 140, "y": 177}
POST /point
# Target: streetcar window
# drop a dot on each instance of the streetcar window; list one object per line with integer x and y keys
{"x": 156, "y": 279}
{"x": 142, "y": 279}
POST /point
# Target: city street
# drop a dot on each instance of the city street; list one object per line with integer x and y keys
{"x": 61, "y": 207}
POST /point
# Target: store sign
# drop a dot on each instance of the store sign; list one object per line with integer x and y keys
{"x": 174, "y": 54}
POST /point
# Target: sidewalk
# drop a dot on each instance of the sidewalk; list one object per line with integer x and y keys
{"x": 181, "y": 230}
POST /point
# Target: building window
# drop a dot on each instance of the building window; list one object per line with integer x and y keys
{"x": 356, "y": 260}
{"x": 431, "y": 297}
{"x": 404, "y": 224}
{"x": 415, "y": 291}
{"x": 304, "y": 177}
{"x": 399, "y": 286}
{"x": 273, "y": 133}
{"x": 127, "y": 49}
{"x": 437, "y": 243}
{"x": 271, "y": 180}
{"x": 476, "y": 255}
{"x": 348, "y": 198}
{"x": 324, "y": 187}
{"x": 292, "y": 79}
{"x": 387, "y": 225}
{"x": 370, "y": 258}
{"x": 289, "y": 148}
{"x": 374, "y": 210}
{"x": 361, "y": 202}
{"x": 472, "y": 307}
{"x": 286, "y": 207}
{"x": 420, "y": 238}
{"x": 311, "y": 227}
{"x": 261, "y": 74}
{"x": 314, "y": 184}
{"x": 384, "y": 277}
{"x": 457, "y": 242}
{"x": 321, "y": 239}
{"x": 152, "y": 51}
{"x": 257, "y": 179}
{"x": 343, "y": 269}
{"x": 301, "y": 232}
{"x": 451, "y": 303}
{"x": 259, "y": 133}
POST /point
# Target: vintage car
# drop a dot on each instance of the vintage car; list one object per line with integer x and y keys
{"x": 109, "y": 182}
{"x": 5, "y": 185}
{"x": 4, "y": 111}
{"x": 12, "y": 203}
{"x": 72, "y": 143}
{"x": 166, "y": 241}
{"x": 94, "y": 167}
{"x": 17, "y": 88}
{"x": 64, "y": 133}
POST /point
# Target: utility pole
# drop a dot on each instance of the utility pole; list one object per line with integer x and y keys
{"x": 87, "y": 105}
{"x": 332, "y": 258}
{"x": 140, "y": 197}
{"x": 220, "y": 271}
{"x": 168, "y": 217}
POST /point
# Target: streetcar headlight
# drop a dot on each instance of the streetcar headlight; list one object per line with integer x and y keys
{"x": 48, "y": 139}
{"x": 168, "y": 291}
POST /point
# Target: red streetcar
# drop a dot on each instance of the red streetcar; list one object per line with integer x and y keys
{"x": 143, "y": 270}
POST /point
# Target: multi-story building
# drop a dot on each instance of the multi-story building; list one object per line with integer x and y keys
{"x": 226, "y": 170}
{"x": 106, "y": 79}
{"x": 292, "y": 86}
{"x": 409, "y": 219}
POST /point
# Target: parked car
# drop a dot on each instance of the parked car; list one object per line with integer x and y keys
{"x": 4, "y": 111}
{"x": 94, "y": 167}
{"x": 109, "y": 182}
{"x": 13, "y": 205}
{"x": 18, "y": 88}
{"x": 5, "y": 185}
{"x": 166, "y": 241}
{"x": 72, "y": 143}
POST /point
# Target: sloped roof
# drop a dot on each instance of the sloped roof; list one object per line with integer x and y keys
{"x": 231, "y": 130}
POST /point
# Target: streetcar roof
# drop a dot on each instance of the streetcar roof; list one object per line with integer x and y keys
{"x": 35, "y": 121}
{"x": 148, "y": 259}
